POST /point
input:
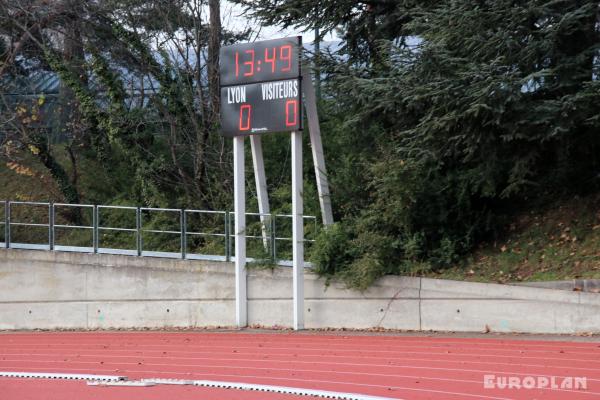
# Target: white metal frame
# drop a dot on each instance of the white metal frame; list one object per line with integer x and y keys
{"x": 263, "y": 204}
{"x": 316, "y": 144}
{"x": 261, "y": 185}
{"x": 239, "y": 195}
{"x": 297, "y": 231}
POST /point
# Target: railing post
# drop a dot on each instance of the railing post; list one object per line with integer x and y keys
{"x": 138, "y": 236}
{"x": 227, "y": 238}
{"x": 51, "y": 226}
{"x": 273, "y": 241}
{"x": 95, "y": 224}
{"x": 7, "y": 224}
{"x": 183, "y": 222}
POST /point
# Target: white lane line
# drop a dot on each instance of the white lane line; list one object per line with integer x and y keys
{"x": 109, "y": 380}
{"x": 121, "y": 383}
{"x": 324, "y": 381}
{"x": 496, "y": 344}
{"x": 48, "y": 375}
{"x": 332, "y": 348}
{"x": 284, "y": 389}
{"x": 312, "y": 381}
{"x": 390, "y": 387}
{"x": 229, "y": 384}
{"x": 397, "y": 365}
{"x": 452, "y": 357}
{"x": 246, "y": 386}
{"x": 326, "y": 340}
{"x": 393, "y": 363}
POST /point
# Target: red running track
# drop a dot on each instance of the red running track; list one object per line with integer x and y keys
{"x": 398, "y": 367}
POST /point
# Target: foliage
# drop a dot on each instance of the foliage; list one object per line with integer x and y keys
{"x": 333, "y": 251}
{"x": 361, "y": 25}
{"x": 440, "y": 119}
{"x": 133, "y": 95}
{"x": 482, "y": 110}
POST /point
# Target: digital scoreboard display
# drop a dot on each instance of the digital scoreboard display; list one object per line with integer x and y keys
{"x": 261, "y": 87}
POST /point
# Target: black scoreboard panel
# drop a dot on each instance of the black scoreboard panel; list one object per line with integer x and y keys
{"x": 268, "y": 60}
{"x": 261, "y": 107}
{"x": 261, "y": 87}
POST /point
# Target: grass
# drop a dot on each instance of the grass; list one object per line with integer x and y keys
{"x": 559, "y": 243}
{"x": 26, "y": 180}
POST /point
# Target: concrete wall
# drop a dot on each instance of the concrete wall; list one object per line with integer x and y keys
{"x": 584, "y": 285}
{"x": 48, "y": 290}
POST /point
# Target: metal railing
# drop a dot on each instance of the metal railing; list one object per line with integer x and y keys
{"x": 184, "y": 234}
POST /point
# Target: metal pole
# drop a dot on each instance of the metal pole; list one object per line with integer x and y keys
{"x": 138, "y": 236}
{"x": 182, "y": 221}
{"x": 297, "y": 231}
{"x": 51, "y": 226}
{"x": 318, "y": 62}
{"x": 7, "y": 225}
{"x": 231, "y": 233}
{"x": 273, "y": 240}
{"x": 95, "y": 228}
{"x": 239, "y": 200}
{"x": 227, "y": 238}
{"x": 261, "y": 185}
{"x": 317, "y": 148}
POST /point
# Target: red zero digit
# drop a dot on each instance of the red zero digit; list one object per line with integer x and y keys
{"x": 245, "y": 126}
{"x": 291, "y": 111}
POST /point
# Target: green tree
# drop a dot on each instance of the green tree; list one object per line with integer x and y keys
{"x": 458, "y": 114}
{"x": 138, "y": 92}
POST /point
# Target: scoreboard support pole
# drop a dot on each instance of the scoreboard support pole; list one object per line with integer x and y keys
{"x": 317, "y": 147}
{"x": 256, "y": 102}
{"x": 261, "y": 185}
{"x": 297, "y": 230}
{"x": 239, "y": 200}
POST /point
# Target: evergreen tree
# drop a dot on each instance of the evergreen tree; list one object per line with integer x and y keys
{"x": 482, "y": 107}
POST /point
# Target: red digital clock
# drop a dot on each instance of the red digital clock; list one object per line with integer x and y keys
{"x": 261, "y": 87}
{"x": 268, "y": 60}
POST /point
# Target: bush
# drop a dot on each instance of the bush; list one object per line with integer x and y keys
{"x": 332, "y": 251}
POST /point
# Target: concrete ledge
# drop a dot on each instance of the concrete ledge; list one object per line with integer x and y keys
{"x": 51, "y": 290}
{"x": 437, "y": 288}
{"x": 583, "y": 285}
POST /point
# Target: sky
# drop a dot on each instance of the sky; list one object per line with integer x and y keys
{"x": 232, "y": 16}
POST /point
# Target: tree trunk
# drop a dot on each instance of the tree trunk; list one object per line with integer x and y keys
{"x": 70, "y": 118}
{"x": 39, "y": 141}
{"x": 214, "y": 46}
{"x": 214, "y": 96}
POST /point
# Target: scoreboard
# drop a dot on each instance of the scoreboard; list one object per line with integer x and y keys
{"x": 261, "y": 87}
